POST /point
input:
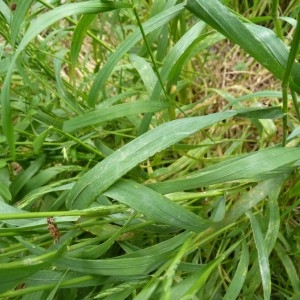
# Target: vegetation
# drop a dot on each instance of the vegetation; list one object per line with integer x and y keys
{"x": 149, "y": 149}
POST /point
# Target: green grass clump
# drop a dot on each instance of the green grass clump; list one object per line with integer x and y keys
{"x": 149, "y": 150}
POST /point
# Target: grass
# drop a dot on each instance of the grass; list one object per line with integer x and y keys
{"x": 149, "y": 150}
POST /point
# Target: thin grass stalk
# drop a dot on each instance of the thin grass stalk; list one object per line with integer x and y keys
{"x": 296, "y": 105}
{"x": 43, "y": 287}
{"x": 149, "y": 51}
{"x": 284, "y": 118}
{"x": 89, "y": 33}
{"x": 147, "y": 119}
{"x": 91, "y": 149}
{"x": 171, "y": 271}
{"x": 285, "y": 80}
{"x": 275, "y": 15}
{"x": 104, "y": 210}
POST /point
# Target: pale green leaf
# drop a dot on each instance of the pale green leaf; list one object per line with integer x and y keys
{"x": 263, "y": 164}
{"x": 260, "y": 42}
{"x": 155, "y": 206}
{"x": 99, "y": 116}
{"x": 150, "y": 25}
{"x": 113, "y": 167}
{"x": 263, "y": 256}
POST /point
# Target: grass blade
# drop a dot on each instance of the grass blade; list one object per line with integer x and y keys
{"x": 272, "y": 191}
{"x": 111, "y": 113}
{"x": 252, "y": 167}
{"x": 289, "y": 267}
{"x": 238, "y": 280}
{"x": 63, "y": 11}
{"x": 150, "y": 25}
{"x": 12, "y": 273}
{"x": 37, "y": 26}
{"x": 146, "y": 72}
{"x": 171, "y": 67}
{"x": 18, "y": 18}
{"x": 140, "y": 262}
{"x": 78, "y": 36}
{"x": 263, "y": 256}
{"x": 112, "y": 168}
{"x": 155, "y": 206}
{"x": 269, "y": 50}
{"x": 5, "y": 11}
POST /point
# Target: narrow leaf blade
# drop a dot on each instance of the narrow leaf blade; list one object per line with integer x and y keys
{"x": 112, "y": 168}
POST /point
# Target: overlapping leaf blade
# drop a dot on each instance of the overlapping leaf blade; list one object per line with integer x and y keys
{"x": 155, "y": 206}
{"x": 260, "y": 42}
{"x": 140, "y": 262}
{"x": 150, "y": 25}
{"x": 252, "y": 167}
{"x": 37, "y": 26}
{"x": 112, "y": 168}
{"x": 111, "y": 113}
{"x": 12, "y": 273}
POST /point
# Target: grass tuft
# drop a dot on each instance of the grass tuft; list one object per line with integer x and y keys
{"x": 149, "y": 149}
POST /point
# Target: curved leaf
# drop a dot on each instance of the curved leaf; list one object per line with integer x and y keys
{"x": 60, "y": 12}
{"x": 262, "y": 255}
{"x": 111, "y": 113}
{"x": 155, "y": 206}
{"x": 113, "y": 167}
{"x": 37, "y": 26}
{"x": 150, "y": 25}
{"x": 238, "y": 280}
{"x": 15, "y": 272}
{"x": 251, "y": 167}
{"x": 260, "y": 42}
{"x": 78, "y": 36}
{"x": 18, "y": 18}
{"x": 139, "y": 262}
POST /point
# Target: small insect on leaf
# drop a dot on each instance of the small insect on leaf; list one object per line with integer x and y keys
{"x": 53, "y": 230}
{"x": 13, "y": 6}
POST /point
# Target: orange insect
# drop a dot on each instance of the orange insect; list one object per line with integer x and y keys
{"x": 53, "y": 230}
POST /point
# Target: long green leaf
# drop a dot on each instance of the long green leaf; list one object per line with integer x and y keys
{"x": 15, "y": 272}
{"x": 155, "y": 206}
{"x": 112, "y": 168}
{"x": 52, "y": 16}
{"x": 5, "y": 11}
{"x": 238, "y": 280}
{"x": 78, "y": 36}
{"x": 115, "y": 267}
{"x": 252, "y": 167}
{"x": 117, "y": 111}
{"x": 150, "y": 25}
{"x": 272, "y": 191}
{"x": 173, "y": 62}
{"x": 37, "y": 26}
{"x": 289, "y": 266}
{"x": 18, "y": 18}
{"x": 189, "y": 44}
{"x": 140, "y": 262}
{"x": 263, "y": 256}
{"x": 260, "y": 42}
{"x": 145, "y": 71}
{"x": 260, "y": 113}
